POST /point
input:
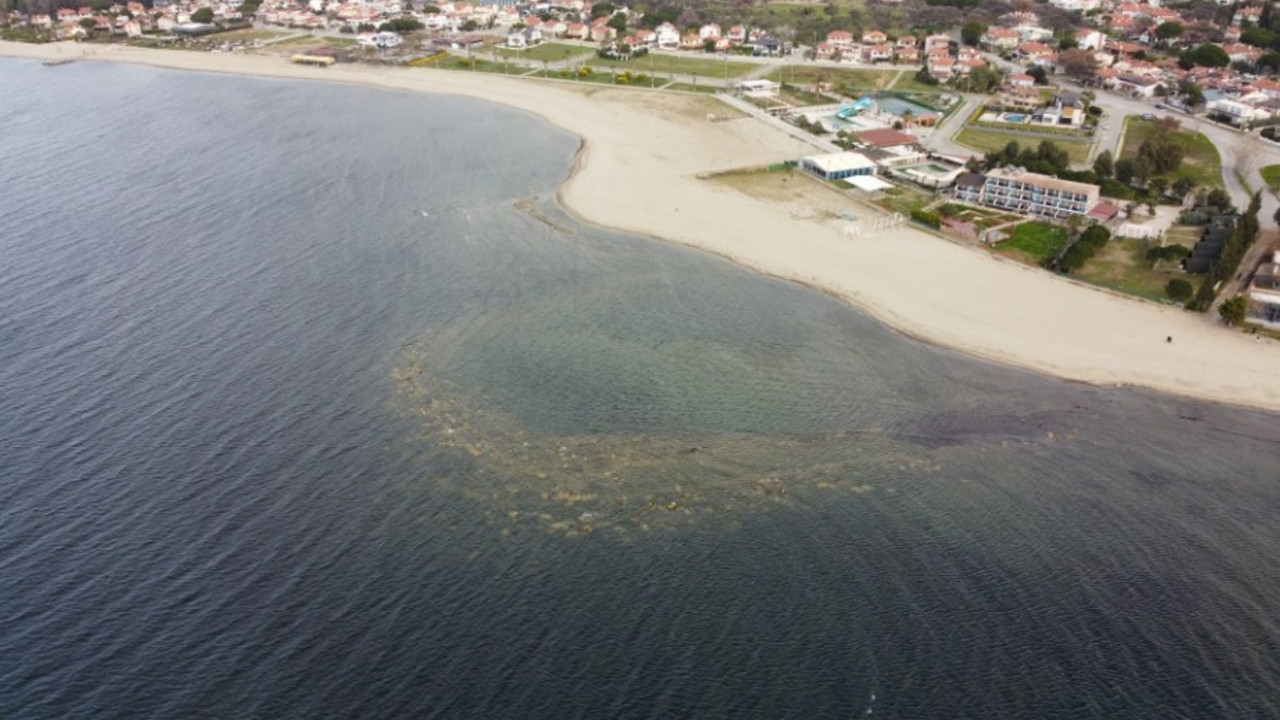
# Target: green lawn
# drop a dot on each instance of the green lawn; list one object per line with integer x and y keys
{"x": 907, "y": 83}
{"x": 905, "y": 200}
{"x": 1271, "y": 175}
{"x": 986, "y": 141}
{"x": 838, "y": 77}
{"x": 298, "y": 39}
{"x": 1200, "y": 161}
{"x": 1122, "y": 266}
{"x": 656, "y": 63}
{"x": 686, "y": 87}
{"x": 249, "y": 35}
{"x": 1034, "y": 242}
{"x": 550, "y": 52}
{"x": 478, "y": 65}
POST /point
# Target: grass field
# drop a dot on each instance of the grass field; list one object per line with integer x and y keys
{"x": 1033, "y": 242}
{"x": 1271, "y": 175}
{"x": 687, "y": 87}
{"x": 477, "y": 65}
{"x": 986, "y": 141}
{"x": 905, "y": 200}
{"x": 907, "y": 83}
{"x": 656, "y": 63}
{"x": 1200, "y": 162}
{"x": 550, "y": 52}
{"x": 1122, "y": 265}
{"x": 249, "y": 35}
{"x": 838, "y": 77}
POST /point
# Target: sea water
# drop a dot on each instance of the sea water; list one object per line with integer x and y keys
{"x": 314, "y": 404}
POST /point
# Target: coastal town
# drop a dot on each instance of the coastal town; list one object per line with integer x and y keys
{"x": 1129, "y": 146}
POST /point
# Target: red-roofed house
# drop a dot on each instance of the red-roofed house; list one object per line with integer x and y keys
{"x": 840, "y": 38}
{"x": 1001, "y": 38}
{"x": 886, "y": 138}
{"x": 1034, "y": 50}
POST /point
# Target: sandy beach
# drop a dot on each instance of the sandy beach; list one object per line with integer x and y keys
{"x": 639, "y": 170}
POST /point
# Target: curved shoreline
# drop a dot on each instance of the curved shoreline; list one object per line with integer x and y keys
{"x": 635, "y": 169}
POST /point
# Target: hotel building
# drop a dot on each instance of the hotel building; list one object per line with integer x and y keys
{"x": 1015, "y": 189}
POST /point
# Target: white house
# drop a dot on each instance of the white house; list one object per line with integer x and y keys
{"x": 1237, "y": 113}
{"x": 1090, "y": 39}
{"x": 667, "y": 35}
{"x": 524, "y": 37}
{"x": 1075, "y": 5}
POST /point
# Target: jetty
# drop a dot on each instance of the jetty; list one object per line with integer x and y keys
{"x": 54, "y": 62}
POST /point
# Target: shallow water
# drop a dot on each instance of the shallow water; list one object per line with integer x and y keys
{"x": 308, "y": 411}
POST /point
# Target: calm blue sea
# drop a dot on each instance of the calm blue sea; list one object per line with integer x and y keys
{"x": 313, "y": 404}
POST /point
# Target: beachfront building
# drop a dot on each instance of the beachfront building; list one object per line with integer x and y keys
{"x": 838, "y": 166}
{"x": 1012, "y": 188}
{"x": 1264, "y": 294}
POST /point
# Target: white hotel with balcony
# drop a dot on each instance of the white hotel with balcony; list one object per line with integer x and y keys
{"x": 1015, "y": 189}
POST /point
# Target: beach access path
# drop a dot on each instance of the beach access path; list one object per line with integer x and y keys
{"x": 639, "y": 171}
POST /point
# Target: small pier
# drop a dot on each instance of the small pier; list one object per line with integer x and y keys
{"x": 55, "y": 62}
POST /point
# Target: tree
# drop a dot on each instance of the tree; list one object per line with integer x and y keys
{"x": 1194, "y": 95}
{"x": 1077, "y": 63}
{"x": 1233, "y": 310}
{"x": 1103, "y": 165}
{"x": 203, "y": 15}
{"x": 709, "y": 45}
{"x": 1270, "y": 61}
{"x": 983, "y": 80}
{"x": 619, "y": 22}
{"x": 602, "y": 9}
{"x": 1169, "y": 30}
{"x": 88, "y": 24}
{"x": 925, "y": 78}
{"x": 1010, "y": 153}
{"x": 1179, "y": 290}
{"x": 401, "y": 25}
{"x": 1125, "y": 170}
{"x": 1220, "y": 199}
{"x": 972, "y": 31}
{"x": 1205, "y": 55}
{"x": 1158, "y": 186}
{"x": 1038, "y": 74}
{"x": 1162, "y": 154}
{"x": 1182, "y": 186}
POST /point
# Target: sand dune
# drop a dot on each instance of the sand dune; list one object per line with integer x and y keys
{"x": 638, "y": 172}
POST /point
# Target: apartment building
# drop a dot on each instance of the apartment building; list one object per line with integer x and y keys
{"x": 1015, "y": 189}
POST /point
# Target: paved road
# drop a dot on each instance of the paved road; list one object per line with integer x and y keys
{"x": 942, "y": 139}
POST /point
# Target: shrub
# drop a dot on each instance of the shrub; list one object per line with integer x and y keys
{"x": 1179, "y": 290}
{"x": 925, "y": 217}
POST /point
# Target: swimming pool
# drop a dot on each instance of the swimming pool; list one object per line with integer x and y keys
{"x": 1013, "y": 118}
